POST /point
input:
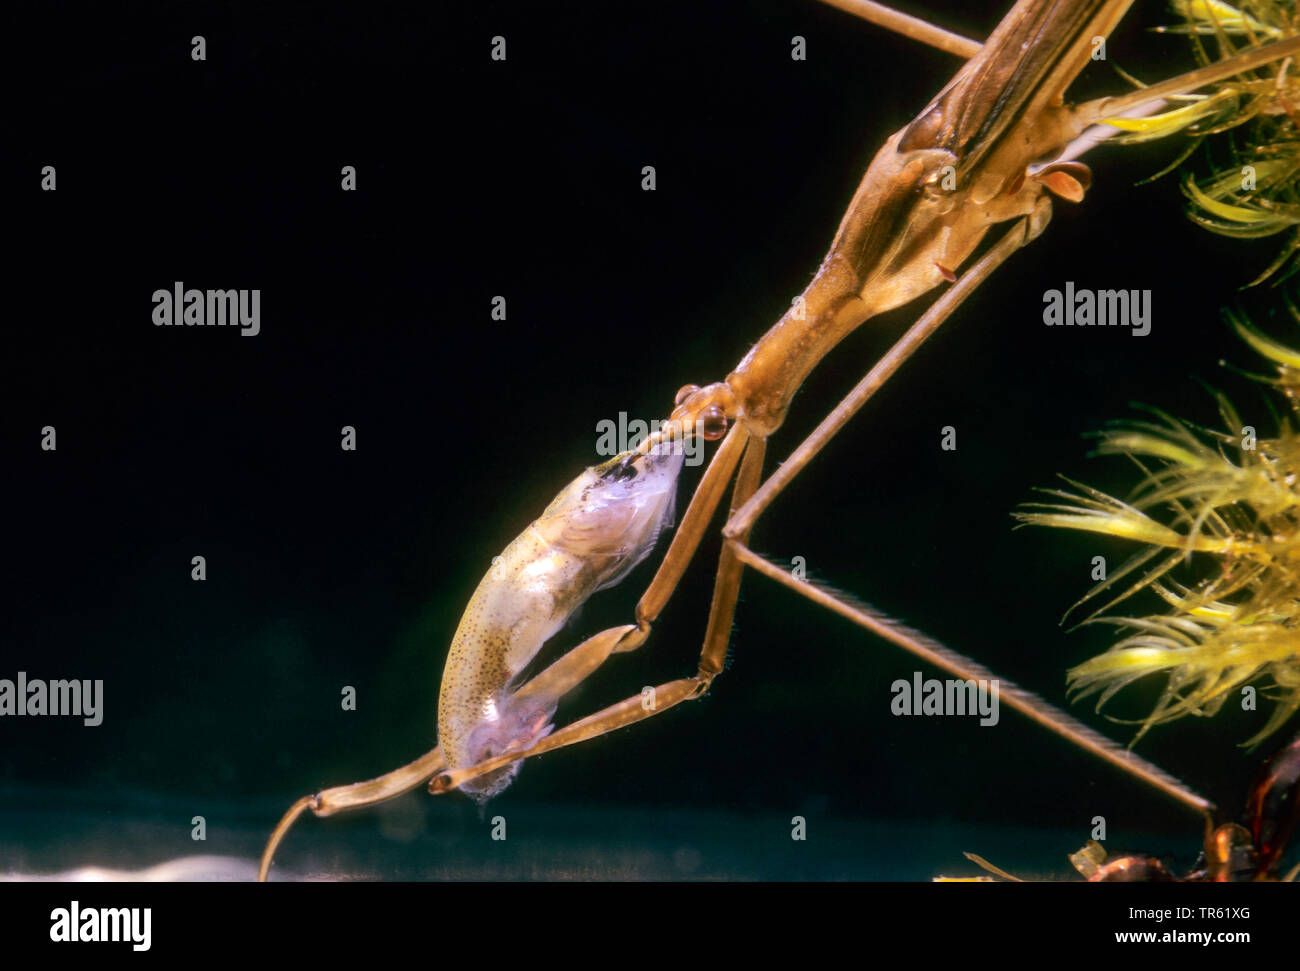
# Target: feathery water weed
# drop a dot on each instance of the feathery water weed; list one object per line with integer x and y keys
{"x": 1257, "y": 192}
{"x": 1228, "y": 496}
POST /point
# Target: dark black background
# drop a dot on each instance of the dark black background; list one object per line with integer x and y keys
{"x": 328, "y": 568}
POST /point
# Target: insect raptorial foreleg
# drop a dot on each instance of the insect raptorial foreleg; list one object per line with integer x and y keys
{"x": 577, "y": 665}
{"x": 726, "y": 587}
{"x": 910, "y": 27}
{"x": 356, "y": 796}
{"x": 1025, "y": 702}
{"x": 694, "y": 525}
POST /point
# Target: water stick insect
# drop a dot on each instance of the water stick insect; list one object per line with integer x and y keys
{"x": 984, "y": 159}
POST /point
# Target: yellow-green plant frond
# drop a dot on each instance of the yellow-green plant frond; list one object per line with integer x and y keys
{"x": 1283, "y": 356}
{"x": 1241, "y": 214}
{"x": 1214, "y": 503}
{"x": 1199, "y": 112}
{"x": 1255, "y": 192}
{"x": 1205, "y": 659}
{"x": 1210, "y": 17}
{"x": 1223, "y": 506}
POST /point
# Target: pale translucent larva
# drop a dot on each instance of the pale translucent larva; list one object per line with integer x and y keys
{"x": 591, "y": 535}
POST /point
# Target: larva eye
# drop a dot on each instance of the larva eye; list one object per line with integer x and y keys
{"x": 620, "y": 471}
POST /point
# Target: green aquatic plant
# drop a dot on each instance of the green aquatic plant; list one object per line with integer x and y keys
{"x": 1256, "y": 192}
{"x": 1216, "y": 512}
{"x": 1223, "y": 507}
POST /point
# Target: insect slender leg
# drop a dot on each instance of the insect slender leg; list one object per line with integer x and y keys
{"x": 910, "y": 27}
{"x": 726, "y": 587}
{"x": 948, "y": 660}
{"x": 355, "y": 796}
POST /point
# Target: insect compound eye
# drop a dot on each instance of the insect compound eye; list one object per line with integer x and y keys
{"x": 925, "y": 132}
{"x": 684, "y": 392}
{"x": 713, "y": 423}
